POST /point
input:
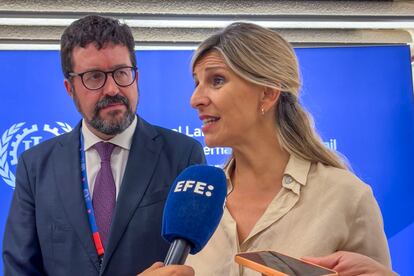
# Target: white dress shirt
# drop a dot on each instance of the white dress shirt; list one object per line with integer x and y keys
{"x": 119, "y": 155}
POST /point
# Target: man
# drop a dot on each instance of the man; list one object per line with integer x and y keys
{"x": 90, "y": 202}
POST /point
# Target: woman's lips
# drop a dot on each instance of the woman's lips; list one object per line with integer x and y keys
{"x": 208, "y": 122}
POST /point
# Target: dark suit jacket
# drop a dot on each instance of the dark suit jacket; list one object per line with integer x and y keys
{"x": 47, "y": 231}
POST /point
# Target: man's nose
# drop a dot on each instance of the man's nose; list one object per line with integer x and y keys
{"x": 110, "y": 88}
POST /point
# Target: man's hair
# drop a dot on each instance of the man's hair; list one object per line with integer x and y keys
{"x": 95, "y": 29}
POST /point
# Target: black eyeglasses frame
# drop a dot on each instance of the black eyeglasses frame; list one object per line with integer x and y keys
{"x": 133, "y": 68}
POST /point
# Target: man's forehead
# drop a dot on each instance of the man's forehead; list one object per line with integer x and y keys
{"x": 98, "y": 47}
{"x": 108, "y": 57}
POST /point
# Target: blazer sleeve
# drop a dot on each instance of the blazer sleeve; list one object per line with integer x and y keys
{"x": 21, "y": 250}
{"x": 196, "y": 155}
{"x": 366, "y": 234}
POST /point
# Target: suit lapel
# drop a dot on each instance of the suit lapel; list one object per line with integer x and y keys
{"x": 67, "y": 179}
{"x": 141, "y": 164}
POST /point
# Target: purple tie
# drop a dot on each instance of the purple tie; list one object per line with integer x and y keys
{"x": 104, "y": 192}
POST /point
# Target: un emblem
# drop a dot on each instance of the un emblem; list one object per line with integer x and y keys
{"x": 17, "y": 139}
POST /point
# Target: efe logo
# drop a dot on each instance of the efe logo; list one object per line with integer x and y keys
{"x": 197, "y": 187}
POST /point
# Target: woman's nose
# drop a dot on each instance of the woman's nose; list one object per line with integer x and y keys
{"x": 199, "y": 98}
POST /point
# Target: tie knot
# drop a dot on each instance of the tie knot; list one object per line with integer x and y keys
{"x": 104, "y": 150}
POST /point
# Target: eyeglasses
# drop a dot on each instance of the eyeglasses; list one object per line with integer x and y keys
{"x": 96, "y": 79}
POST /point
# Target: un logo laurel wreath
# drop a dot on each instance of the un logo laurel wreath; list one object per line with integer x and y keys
{"x": 9, "y": 148}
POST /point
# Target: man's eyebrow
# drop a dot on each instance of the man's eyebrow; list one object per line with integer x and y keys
{"x": 95, "y": 68}
{"x": 119, "y": 66}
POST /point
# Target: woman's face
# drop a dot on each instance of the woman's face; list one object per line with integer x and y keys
{"x": 228, "y": 105}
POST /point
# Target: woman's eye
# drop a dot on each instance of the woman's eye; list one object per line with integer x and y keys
{"x": 218, "y": 81}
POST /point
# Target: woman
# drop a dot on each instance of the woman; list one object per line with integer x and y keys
{"x": 287, "y": 191}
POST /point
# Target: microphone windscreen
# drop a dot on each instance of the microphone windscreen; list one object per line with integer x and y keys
{"x": 195, "y": 205}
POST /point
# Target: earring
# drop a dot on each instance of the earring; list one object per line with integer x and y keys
{"x": 263, "y": 110}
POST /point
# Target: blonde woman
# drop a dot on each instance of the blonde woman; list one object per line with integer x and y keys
{"x": 286, "y": 191}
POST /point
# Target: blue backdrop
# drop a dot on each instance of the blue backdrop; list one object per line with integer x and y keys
{"x": 361, "y": 99}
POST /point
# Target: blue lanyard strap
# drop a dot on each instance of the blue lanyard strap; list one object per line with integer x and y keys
{"x": 88, "y": 202}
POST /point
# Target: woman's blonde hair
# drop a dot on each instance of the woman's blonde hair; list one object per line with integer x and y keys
{"x": 263, "y": 57}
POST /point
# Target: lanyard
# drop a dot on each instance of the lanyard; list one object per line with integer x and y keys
{"x": 88, "y": 202}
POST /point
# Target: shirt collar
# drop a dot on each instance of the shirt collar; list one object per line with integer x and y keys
{"x": 123, "y": 139}
{"x": 298, "y": 169}
{"x": 228, "y": 168}
{"x": 295, "y": 174}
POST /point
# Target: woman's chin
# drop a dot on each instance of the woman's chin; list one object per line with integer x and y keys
{"x": 213, "y": 143}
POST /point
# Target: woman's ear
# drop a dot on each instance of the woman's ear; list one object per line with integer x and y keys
{"x": 269, "y": 98}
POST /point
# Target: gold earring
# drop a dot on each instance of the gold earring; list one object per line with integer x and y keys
{"x": 263, "y": 111}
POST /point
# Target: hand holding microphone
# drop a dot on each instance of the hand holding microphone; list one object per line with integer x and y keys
{"x": 158, "y": 269}
{"x": 193, "y": 210}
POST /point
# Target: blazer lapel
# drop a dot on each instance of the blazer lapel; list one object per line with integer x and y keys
{"x": 68, "y": 176}
{"x": 141, "y": 164}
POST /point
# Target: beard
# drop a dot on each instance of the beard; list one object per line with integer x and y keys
{"x": 115, "y": 124}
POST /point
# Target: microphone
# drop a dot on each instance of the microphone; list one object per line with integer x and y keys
{"x": 193, "y": 210}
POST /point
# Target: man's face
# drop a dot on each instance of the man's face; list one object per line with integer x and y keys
{"x": 110, "y": 109}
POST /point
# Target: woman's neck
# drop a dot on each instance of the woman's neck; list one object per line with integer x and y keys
{"x": 264, "y": 162}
